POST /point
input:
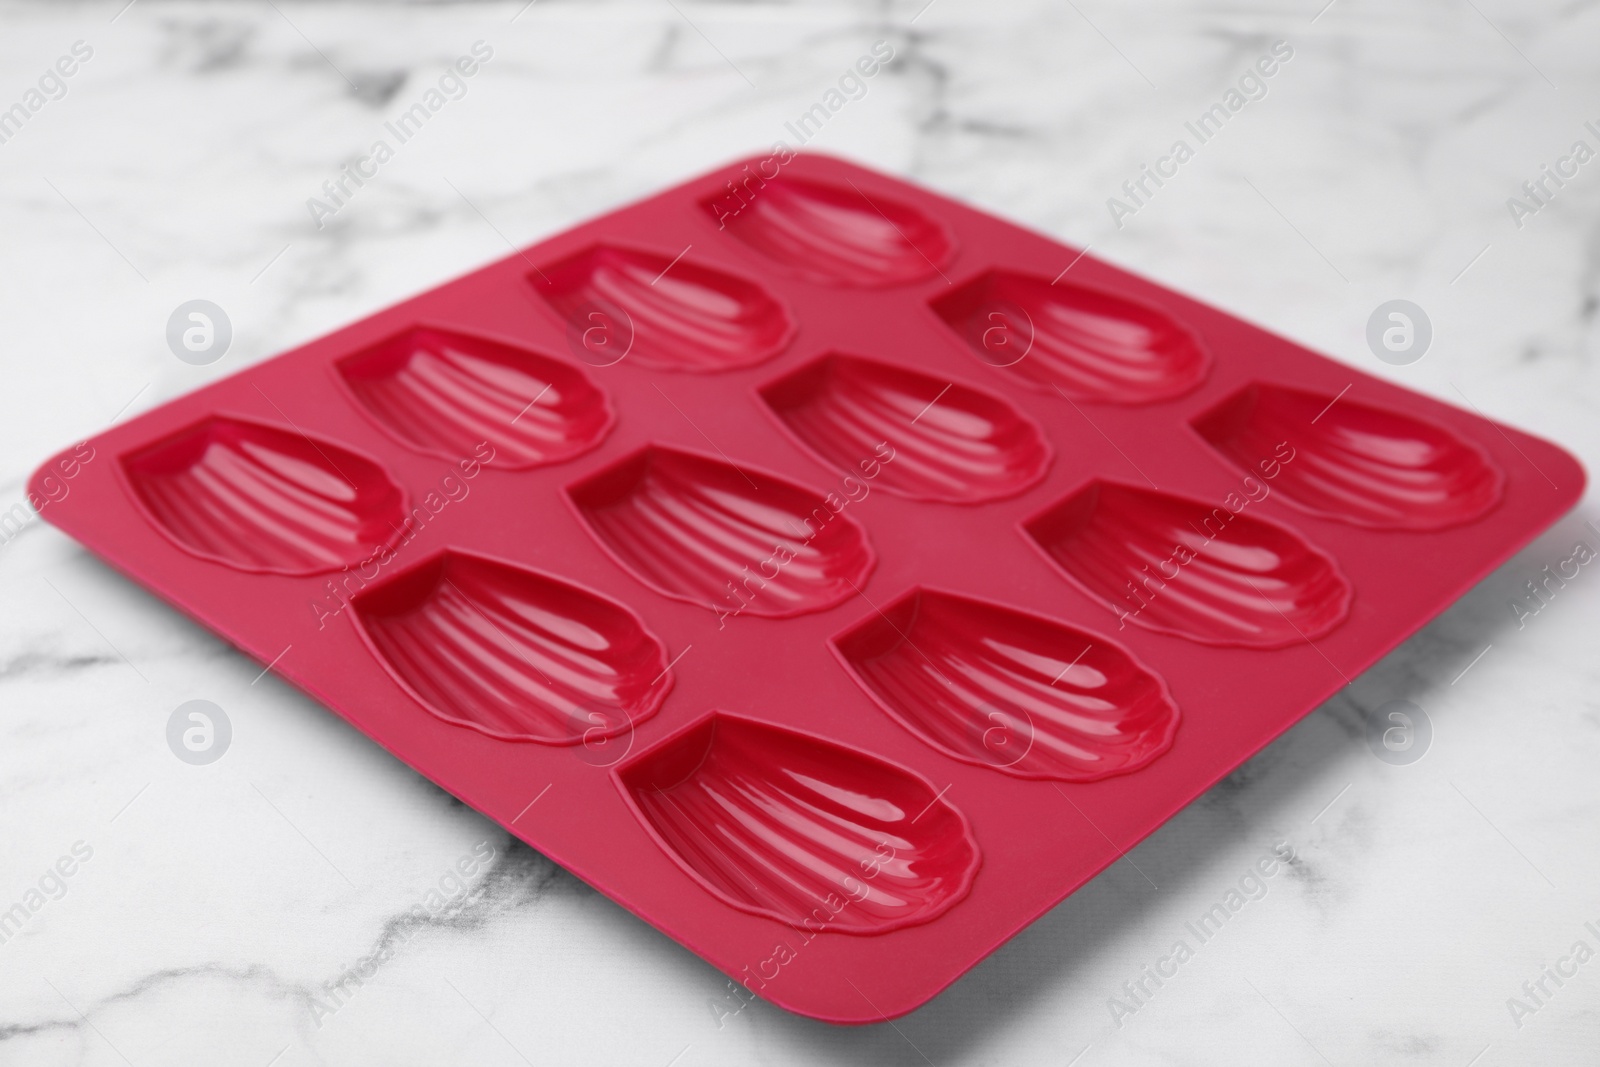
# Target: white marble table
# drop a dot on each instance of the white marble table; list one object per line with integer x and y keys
{"x": 217, "y": 903}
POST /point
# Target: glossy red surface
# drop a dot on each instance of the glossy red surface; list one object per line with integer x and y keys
{"x": 836, "y": 615}
{"x": 950, "y": 441}
{"x": 1358, "y": 463}
{"x": 732, "y": 538}
{"x": 1181, "y": 566}
{"x": 1086, "y": 344}
{"x": 1001, "y": 688}
{"x": 679, "y": 315}
{"x": 834, "y": 234}
{"x": 801, "y": 830}
{"x": 265, "y": 498}
{"x": 443, "y": 391}
{"x": 513, "y": 653}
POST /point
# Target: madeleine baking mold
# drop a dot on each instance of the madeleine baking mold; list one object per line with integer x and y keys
{"x": 832, "y": 575}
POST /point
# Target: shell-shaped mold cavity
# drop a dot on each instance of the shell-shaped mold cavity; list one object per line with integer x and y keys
{"x": 663, "y": 313}
{"x": 1179, "y": 566}
{"x": 267, "y": 500}
{"x": 734, "y": 539}
{"x": 1088, "y": 344}
{"x": 1005, "y": 689}
{"x": 946, "y": 441}
{"x": 1345, "y": 460}
{"x": 794, "y": 828}
{"x": 445, "y": 393}
{"x": 832, "y": 234}
{"x": 514, "y": 653}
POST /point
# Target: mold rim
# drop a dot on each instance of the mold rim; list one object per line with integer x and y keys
{"x": 700, "y": 204}
{"x": 336, "y": 369}
{"x": 1047, "y": 447}
{"x": 1168, "y": 737}
{"x": 1235, "y": 395}
{"x": 1346, "y": 587}
{"x": 661, "y": 688}
{"x": 641, "y": 452}
{"x": 711, "y": 719}
{"x": 593, "y": 244}
{"x": 223, "y": 415}
{"x": 1207, "y": 365}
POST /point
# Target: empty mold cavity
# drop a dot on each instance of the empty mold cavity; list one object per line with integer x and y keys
{"x": 733, "y": 539}
{"x": 1088, "y": 344}
{"x": 1182, "y": 567}
{"x": 834, "y": 235}
{"x": 950, "y": 442}
{"x": 445, "y": 393}
{"x": 663, "y": 313}
{"x": 1017, "y": 692}
{"x": 261, "y": 499}
{"x": 513, "y": 653}
{"x": 1350, "y": 461}
{"x": 801, "y": 830}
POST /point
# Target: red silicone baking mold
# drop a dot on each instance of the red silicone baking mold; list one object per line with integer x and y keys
{"x": 832, "y": 575}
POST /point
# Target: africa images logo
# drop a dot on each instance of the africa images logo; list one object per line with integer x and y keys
{"x": 451, "y": 85}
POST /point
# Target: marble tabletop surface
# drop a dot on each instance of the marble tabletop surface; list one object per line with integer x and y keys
{"x": 182, "y": 914}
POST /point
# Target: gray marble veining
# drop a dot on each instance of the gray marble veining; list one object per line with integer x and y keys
{"x": 221, "y": 908}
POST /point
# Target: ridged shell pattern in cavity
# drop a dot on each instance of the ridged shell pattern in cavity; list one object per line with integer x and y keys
{"x": 1085, "y": 344}
{"x": 444, "y": 393}
{"x": 663, "y": 313}
{"x": 731, "y": 538}
{"x": 794, "y": 828}
{"x": 1012, "y": 691}
{"x": 259, "y": 498}
{"x": 1179, "y": 566}
{"x": 832, "y": 234}
{"x": 514, "y": 653}
{"x": 951, "y": 443}
{"x": 1351, "y": 461}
